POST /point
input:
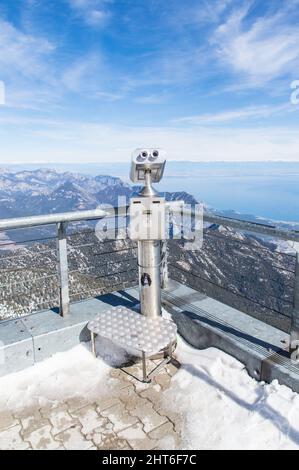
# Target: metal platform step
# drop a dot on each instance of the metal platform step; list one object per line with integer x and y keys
{"x": 204, "y": 322}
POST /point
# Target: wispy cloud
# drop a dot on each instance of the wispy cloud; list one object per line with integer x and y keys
{"x": 82, "y": 72}
{"x": 56, "y": 60}
{"x": 245, "y": 113}
{"x": 35, "y": 81}
{"x": 91, "y": 77}
{"x": 23, "y": 54}
{"x": 209, "y": 11}
{"x": 73, "y": 141}
{"x": 93, "y": 12}
{"x": 261, "y": 49}
{"x": 25, "y": 68}
{"x": 151, "y": 99}
{"x": 2, "y": 93}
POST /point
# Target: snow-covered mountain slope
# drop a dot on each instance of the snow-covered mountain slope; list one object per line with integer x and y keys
{"x": 247, "y": 272}
{"x": 240, "y": 270}
{"x": 47, "y": 191}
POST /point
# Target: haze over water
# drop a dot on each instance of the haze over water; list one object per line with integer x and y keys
{"x": 265, "y": 189}
{"x": 269, "y": 190}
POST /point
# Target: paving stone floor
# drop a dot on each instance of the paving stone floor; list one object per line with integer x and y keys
{"x": 130, "y": 416}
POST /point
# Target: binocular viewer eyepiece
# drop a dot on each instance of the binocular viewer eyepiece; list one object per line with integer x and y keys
{"x": 147, "y": 160}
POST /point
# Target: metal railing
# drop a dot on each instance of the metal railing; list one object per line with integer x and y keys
{"x": 59, "y": 255}
{"x": 272, "y": 231}
{"x": 62, "y": 221}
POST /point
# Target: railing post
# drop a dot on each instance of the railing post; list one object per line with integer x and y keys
{"x": 294, "y": 337}
{"x": 64, "y": 298}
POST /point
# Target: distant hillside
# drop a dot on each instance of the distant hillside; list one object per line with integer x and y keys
{"x": 44, "y": 191}
{"x": 236, "y": 268}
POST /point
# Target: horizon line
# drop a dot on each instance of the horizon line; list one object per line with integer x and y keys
{"x": 128, "y": 162}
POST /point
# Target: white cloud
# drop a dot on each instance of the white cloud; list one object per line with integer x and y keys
{"x": 76, "y": 142}
{"x": 248, "y": 112}
{"x": 2, "y": 93}
{"x": 79, "y": 75}
{"x": 181, "y": 15}
{"x": 95, "y": 17}
{"x": 25, "y": 68}
{"x": 151, "y": 99}
{"x": 93, "y": 12}
{"x": 108, "y": 96}
{"x": 261, "y": 50}
{"x": 90, "y": 76}
{"x": 34, "y": 81}
{"x": 22, "y": 54}
{"x": 209, "y": 11}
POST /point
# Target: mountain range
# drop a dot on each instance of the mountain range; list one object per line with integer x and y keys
{"x": 247, "y": 272}
{"x": 43, "y": 191}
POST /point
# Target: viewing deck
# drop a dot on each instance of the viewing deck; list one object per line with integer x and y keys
{"x": 203, "y": 322}
{"x": 71, "y": 400}
{"x": 123, "y": 414}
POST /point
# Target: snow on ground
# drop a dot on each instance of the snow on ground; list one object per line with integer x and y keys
{"x": 225, "y": 408}
{"x": 64, "y": 375}
{"x": 222, "y": 407}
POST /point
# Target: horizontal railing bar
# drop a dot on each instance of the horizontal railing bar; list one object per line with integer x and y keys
{"x": 40, "y": 304}
{"x": 28, "y": 281}
{"x": 100, "y": 286}
{"x": 92, "y": 292}
{"x": 280, "y": 268}
{"x": 93, "y": 231}
{"x": 115, "y": 251}
{"x": 116, "y": 274}
{"x": 270, "y": 230}
{"x": 76, "y": 216}
{"x": 242, "y": 243}
{"x": 181, "y": 303}
{"x": 230, "y": 290}
{"x": 30, "y": 240}
{"x": 48, "y": 219}
{"x": 101, "y": 242}
{"x": 80, "y": 246}
{"x": 13, "y": 297}
{"x": 90, "y": 268}
{"x": 21, "y": 255}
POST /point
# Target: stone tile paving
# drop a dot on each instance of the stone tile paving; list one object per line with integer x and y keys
{"x": 130, "y": 416}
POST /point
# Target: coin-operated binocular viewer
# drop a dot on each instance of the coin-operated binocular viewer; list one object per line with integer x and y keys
{"x": 148, "y": 226}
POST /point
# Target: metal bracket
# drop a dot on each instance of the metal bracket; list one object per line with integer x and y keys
{"x": 147, "y": 377}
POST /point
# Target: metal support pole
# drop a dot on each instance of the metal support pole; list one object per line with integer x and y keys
{"x": 149, "y": 261}
{"x": 64, "y": 297}
{"x": 144, "y": 373}
{"x": 294, "y": 338}
{"x": 93, "y": 344}
{"x": 164, "y": 266}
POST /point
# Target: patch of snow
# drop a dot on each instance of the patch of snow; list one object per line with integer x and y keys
{"x": 184, "y": 265}
{"x": 221, "y": 406}
{"x": 286, "y": 247}
{"x": 111, "y": 354}
{"x": 224, "y": 408}
{"x": 65, "y": 375}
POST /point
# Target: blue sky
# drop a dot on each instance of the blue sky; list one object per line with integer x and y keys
{"x": 90, "y": 80}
